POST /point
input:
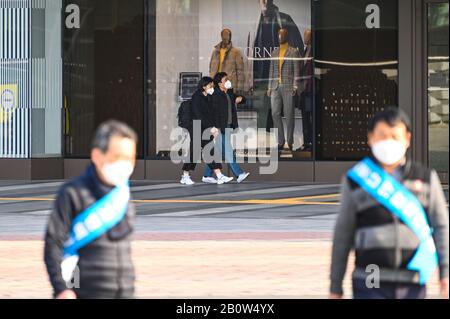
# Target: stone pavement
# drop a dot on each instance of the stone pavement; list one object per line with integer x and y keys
{"x": 254, "y": 240}
{"x": 195, "y": 269}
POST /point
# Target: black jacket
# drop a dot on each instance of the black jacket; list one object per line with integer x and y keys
{"x": 105, "y": 265}
{"x": 202, "y": 110}
{"x": 220, "y": 106}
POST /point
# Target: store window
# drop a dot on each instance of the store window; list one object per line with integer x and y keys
{"x": 357, "y": 72}
{"x": 103, "y": 54}
{"x": 241, "y": 38}
{"x": 334, "y": 68}
{"x": 342, "y": 61}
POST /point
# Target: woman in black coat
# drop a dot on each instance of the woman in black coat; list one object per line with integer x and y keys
{"x": 202, "y": 113}
{"x": 226, "y": 120}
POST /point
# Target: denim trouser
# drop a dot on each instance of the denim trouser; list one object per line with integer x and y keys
{"x": 230, "y": 158}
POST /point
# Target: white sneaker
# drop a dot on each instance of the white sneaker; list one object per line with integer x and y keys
{"x": 186, "y": 180}
{"x": 209, "y": 180}
{"x": 224, "y": 180}
{"x": 243, "y": 177}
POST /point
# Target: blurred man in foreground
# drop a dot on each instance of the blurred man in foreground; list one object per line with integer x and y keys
{"x": 87, "y": 243}
{"x": 394, "y": 215}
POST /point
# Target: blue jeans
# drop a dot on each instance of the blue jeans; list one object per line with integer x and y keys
{"x": 230, "y": 158}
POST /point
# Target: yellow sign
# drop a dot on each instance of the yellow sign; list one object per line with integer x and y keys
{"x": 8, "y": 101}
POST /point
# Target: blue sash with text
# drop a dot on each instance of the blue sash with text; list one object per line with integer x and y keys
{"x": 390, "y": 193}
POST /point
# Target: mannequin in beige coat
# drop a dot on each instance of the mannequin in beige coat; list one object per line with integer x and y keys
{"x": 228, "y": 59}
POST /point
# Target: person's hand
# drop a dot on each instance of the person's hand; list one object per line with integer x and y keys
{"x": 239, "y": 100}
{"x": 67, "y": 294}
{"x": 269, "y": 92}
{"x": 444, "y": 288}
{"x": 335, "y": 296}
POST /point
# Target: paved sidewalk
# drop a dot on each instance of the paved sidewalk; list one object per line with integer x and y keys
{"x": 251, "y": 240}
{"x": 195, "y": 269}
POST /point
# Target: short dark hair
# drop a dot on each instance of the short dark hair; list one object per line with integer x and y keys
{"x": 392, "y": 116}
{"x": 204, "y": 82}
{"x": 219, "y": 76}
{"x": 110, "y": 129}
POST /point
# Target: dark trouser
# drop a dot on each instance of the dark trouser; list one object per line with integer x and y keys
{"x": 388, "y": 291}
{"x": 195, "y": 158}
{"x": 92, "y": 294}
{"x": 307, "y": 119}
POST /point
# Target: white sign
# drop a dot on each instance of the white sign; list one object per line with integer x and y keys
{"x": 8, "y": 101}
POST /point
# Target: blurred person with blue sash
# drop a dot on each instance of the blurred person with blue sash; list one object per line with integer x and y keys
{"x": 87, "y": 242}
{"x": 394, "y": 216}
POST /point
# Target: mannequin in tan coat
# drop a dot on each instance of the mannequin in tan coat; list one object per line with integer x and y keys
{"x": 228, "y": 59}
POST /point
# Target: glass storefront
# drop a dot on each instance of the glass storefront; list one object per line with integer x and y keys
{"x": 438, "y": 89}
{"x": 189, "y": 39}
{"x": 344, "y": 54}
{"x": 136, "y": 60}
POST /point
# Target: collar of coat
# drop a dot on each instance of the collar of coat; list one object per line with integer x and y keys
{"x": 219, "y": 46}
{"x": 218, "y": 91}
{"x": 402, "y": 170}
{"x": 289, "y": 51}
{"x": 97, "y": 186}
{"x": 273, "y": 11}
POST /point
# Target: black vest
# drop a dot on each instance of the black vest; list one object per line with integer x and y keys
{"x": 382, "y": 239}
{"x": 105, "y": 265}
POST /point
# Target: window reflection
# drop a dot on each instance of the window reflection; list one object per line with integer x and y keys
{"x": 357, "y": 73}
{"x": 438, "y": 86}
{"x": 240, "y": 38}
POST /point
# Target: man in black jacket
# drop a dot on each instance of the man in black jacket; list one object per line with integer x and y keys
{"x": 103, "y": 266}
{"x": 226, "y": 120}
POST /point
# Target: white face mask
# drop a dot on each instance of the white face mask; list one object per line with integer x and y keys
{"x": 210, "y": 91}
{"x": 389, "y": 152}
{"x": 117, "y": 173}
{"x": 228, "y": 85}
